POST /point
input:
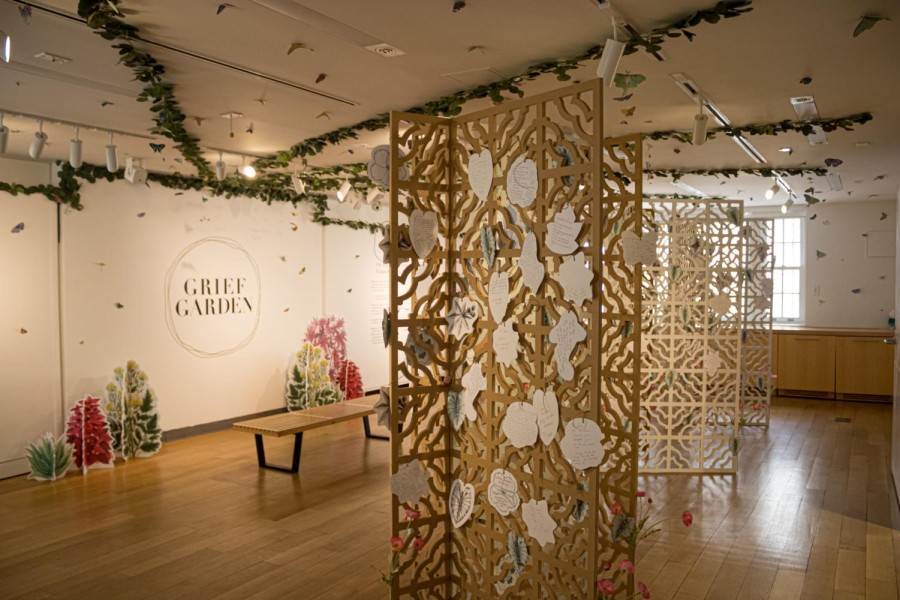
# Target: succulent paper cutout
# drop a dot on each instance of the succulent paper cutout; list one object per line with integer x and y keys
{"x": 462, "y": 502}
{"x": 576, "y": 279}
{"x": 88, "y": 433}
{"x": 562, "y": 232}
{"x": 462, "y": 316}
{"x": 566, "y": 334}
{"x": 379, "y": 166}
{"x": 49, "y": 457}
{"x": 541, "y": 525}
{"x": 131, "y": 412}
{"x": 403, "y": 241}
{"x": 473, "y": 383}
{"x": 532, "y": 268}
{"x": 309, "y": 383}
{"x": 410, "y": 483}
{"x": 422, "y": 345}
{"x": 522, "y": 182}
{"x": 481, "y": 173}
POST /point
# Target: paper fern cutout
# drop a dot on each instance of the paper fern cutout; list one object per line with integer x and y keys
{"x": 131, "y": 412}
{"x": 49, "y": 458}
{"x": 308, "y": 382}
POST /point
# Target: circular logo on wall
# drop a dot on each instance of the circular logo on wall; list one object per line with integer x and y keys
{"x": 213, "y": 297}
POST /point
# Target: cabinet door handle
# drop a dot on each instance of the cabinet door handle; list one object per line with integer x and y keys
{"x": 806, "y": 339}
{"x": 890, "y": 341}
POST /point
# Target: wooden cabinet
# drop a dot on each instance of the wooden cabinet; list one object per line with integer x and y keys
{"x": 834, "y": 363}
{"x": 806, "y": 364}
{"x": 863, "y": 366}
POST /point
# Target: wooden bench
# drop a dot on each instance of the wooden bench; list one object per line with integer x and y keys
{"x": 295, "y": 423}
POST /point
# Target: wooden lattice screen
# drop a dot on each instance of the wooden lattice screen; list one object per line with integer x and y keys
{"x": 562, "y": 133}
{"x": 756, "y": 374}
{"x": 690, "y": 386}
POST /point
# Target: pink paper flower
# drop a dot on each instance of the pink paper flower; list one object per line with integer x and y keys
{"x": 641, "y": 494}
{"x": 645, "y": 591}
{"x": 615, "y": 508}
{"x": 418, "y": 543}
{"x": 412, "y": 514}
{"x": 606, "y": 587}
{"x": 687, "y": 518}
{"x": 397, "y": 543}
{"x": 627, "y": 566}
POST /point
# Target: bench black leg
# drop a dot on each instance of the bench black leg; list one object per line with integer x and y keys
{"x": 261, "y": 454}
{"x": 373, "y": 436}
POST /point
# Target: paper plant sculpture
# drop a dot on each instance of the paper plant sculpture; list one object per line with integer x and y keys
{"x": 131, "y": 412}
{"x": 349, "y": 379}
{"x": 328, "y": 333}
{"x": 308, "y": 382}
{"x": 88, "y": 433}
{"x": 49, "y": 458}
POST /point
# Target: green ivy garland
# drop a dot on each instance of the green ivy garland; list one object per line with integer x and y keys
{"x": 786, "y": 126}
{"x": 677, "y": 174}
{"x": 52, "y": 192}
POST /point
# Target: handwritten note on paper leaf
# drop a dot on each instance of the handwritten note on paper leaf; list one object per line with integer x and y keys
{"x": 410, "y": 482}
{"x": 581, "y": 444}
{"x": 506, "y": 343}
{"x": 567, "y": 333}
{"x": 498, "y": 295}
{"x": 522, "y": 182}
{"x": 576, "y": 279}
{"x": 541, "y": 525}
{"x": 562, "y": 232}
{"x": 503, "y": 492}
{"x": 473, "y": 384}
{"x": 520, "y": 424}
{"x": 462, "y": 501}
{"x": 547, "y": 407}
{"x": 533, "y": 270}
{"x": 481, "y": 173}
{"x": 639, "y": 249}
{"x": 423, "y": 226}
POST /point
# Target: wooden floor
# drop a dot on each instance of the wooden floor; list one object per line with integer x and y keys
{"x": 810, "y": 516}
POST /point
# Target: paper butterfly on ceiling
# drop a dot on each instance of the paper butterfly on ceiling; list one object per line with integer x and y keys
{"x": 157, "y": 148}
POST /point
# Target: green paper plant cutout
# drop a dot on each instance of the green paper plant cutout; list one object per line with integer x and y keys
{"x": 131, "y": 411}
{"x": 49, "y": 457}
{"x": 308, "y": 383}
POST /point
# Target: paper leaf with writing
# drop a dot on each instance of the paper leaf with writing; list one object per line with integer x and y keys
{"x": 473, "y": 384}
{"x": 410, "y": 482}
{"x": 547, "y": 407}
{"x": 498, "y": 295}
{"x": 503, "y": 491}
{"x": 462, "y": 317}
{"x": 423, "y": 227}
{"x": 379, "y": 167}
{"x": 567, "y": 333}
{"x": 639, "y": 249}
{"x": 481, "y": 173}
{"x": 421, "y": 343}
{"x": 581, "y": 444}
{"x": 522, "y": 182}
{"x": 488, "y": 246}
{"x": 562, "y": 232}
{"x": 720, "y": 304}
{"x": 456, "y": 409}
{"x": 712, "y": 362}
{"x": 533, "y": 270}
{"x": 576, "y": 279}
{"x": 520, "y": 424}
{"x": 506, "y": 343}
{"x": 462, "y": 501}
{"x": 541, "y": 525}
{"x": 403, "y": 242}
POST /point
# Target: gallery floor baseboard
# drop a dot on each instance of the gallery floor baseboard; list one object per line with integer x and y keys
{"x": 194, "y": 430}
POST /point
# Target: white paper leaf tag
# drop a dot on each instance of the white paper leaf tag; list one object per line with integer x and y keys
{"x": 462, "y": 317}
{"x": 473, "y": 384}
{"x": 547, "y": 407}
{"x": 520, "y": 424}
{"x": 566, "y": 334}
{"x": 721, "y": 303}
{"x": 562, "y": 233}
{"x": 379, "y": 167}
{"x": 581, "y": 444}
{"x": 712, "y": 362}
{"x": 410, "y": 482}
{"x": 498, "y": 295}
{"x": 462, "y": 501}
{"x": 522, "y": 181}
{"x": 481, "y": 173}
{"x": 503, "y": 492}
{"x": 533, "y": 270}
{"x": 506, "y": 343}
{"x": 639, "y": 249}
{"x": 576, "y": 279}
{"x": 423, "y": 227}
{"x": 541, "y": 525}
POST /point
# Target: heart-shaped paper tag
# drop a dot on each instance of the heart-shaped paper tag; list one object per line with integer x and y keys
{"x": 547, "y": 407}
{"x": 481, "y": 173}
{"x": 423, "y": 228}
{"x": 462, "y": 501}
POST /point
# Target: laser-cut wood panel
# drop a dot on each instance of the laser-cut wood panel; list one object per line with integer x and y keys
{"x": 691, "y": 345}
{"x": 562, "y": 133}
{"x": 756, "y": 351}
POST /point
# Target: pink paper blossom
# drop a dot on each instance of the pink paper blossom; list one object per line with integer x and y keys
{"x": 645, "y": 591}
{"x": 615, "y": 508}
{"x": 412, "y": 514}
{"x": 687, "y": 518}
{"x": 606, "y": 587}
{"x": 397, "y": 543}
{"x": 418, "y": 543}
{"x": 627, "y": 566}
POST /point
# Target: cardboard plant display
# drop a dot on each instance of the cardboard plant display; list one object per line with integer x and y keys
{"x": 49, "y": 458}
{"x": 131, "y": 412}
{"x": 308, "y": 383}
{"x": 88, "y": 433}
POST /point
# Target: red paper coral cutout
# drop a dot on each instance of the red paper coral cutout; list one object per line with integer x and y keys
{"x": 349, "y": 380}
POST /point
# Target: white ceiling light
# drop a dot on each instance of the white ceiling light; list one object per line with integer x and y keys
{"x": 248, "y": 171}
{"x": 37, "y": 143}
{"x": 112, "y": 155}
{"x": 609, "y": 60}
{"x": 806, "y": 110}
{"x": 689, "y": 189}
{"x": 54, "y": 58}
{"x": 7, "y": 45}
{"x": 786, "y": 150}
{"x": 343, "y": 191}
{"x": 787, "y": 205}
{"x": 75, "y": 151}
{"x": 700, "y": 124}
{"x": 773, "y": 191}
{"x": 220, "y": 169}
{"x": 4, "y": 135}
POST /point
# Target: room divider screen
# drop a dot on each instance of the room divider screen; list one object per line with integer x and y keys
{"x": 756, "y": 353}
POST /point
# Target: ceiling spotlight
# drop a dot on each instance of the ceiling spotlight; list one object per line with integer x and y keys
{"x": 220, "y": 169}
{"x": 772, "y": 191}
{"x": 6, "y": 47}
{"x": 112, "y": 155}
{"x": 345, "y": 189}
{"x": 354, "y": 198}
{"x": 37, "y": 143}
{"x": 700, "y": 124}
{"x": 299, "y": 184}
{"x": 787, "y": 206}
{"x": 248, "y": 171}
{"x": 787, "y": 150}
{"x": 4, "y": 135}
{"x": 75, "y": 151}
{"x": 609, "y": 60}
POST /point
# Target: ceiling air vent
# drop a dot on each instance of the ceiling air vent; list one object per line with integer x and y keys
{"x": 805, "y": 107}
{"x": 385, "y": 50}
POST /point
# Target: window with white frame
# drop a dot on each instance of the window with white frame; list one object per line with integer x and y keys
{"x": 787, "y": 299}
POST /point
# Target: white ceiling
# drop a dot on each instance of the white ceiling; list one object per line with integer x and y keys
{"x": 748, "y": 66}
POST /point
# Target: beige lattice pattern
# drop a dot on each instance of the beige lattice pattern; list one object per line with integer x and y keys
{"x": 562, "y": 132}
{"x": 756, "y": 351}
{"x": 691, "y": 345}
